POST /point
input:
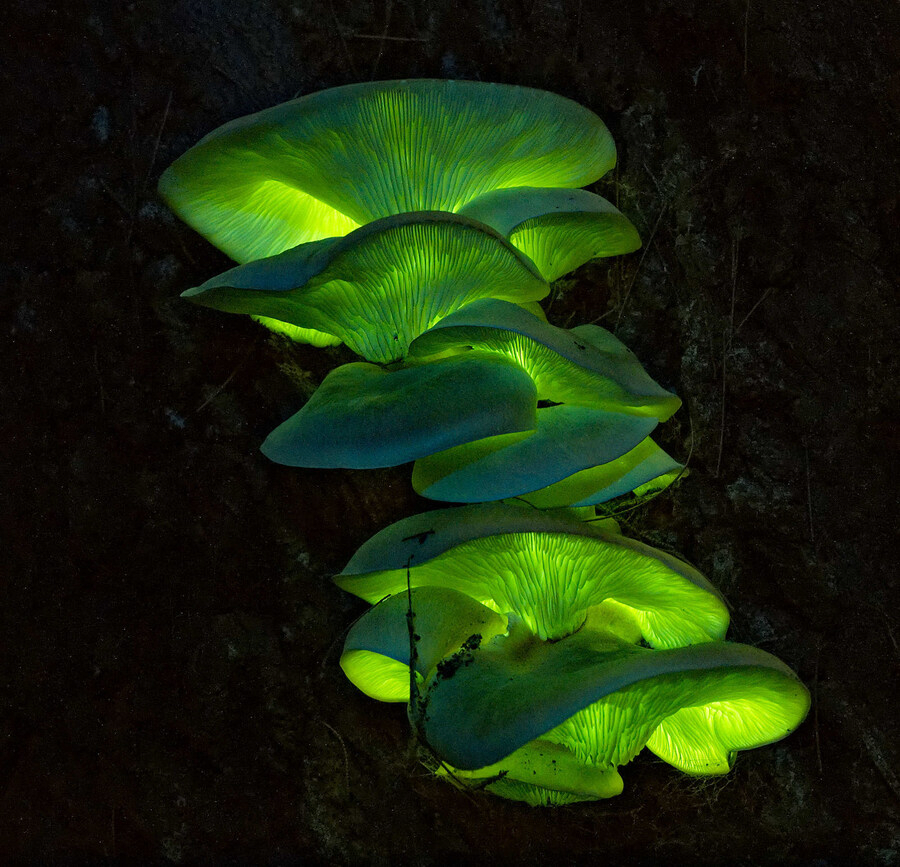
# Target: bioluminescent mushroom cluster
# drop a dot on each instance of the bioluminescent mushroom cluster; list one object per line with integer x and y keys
{"x": 419, "y": 223}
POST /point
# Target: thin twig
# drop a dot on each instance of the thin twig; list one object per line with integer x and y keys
{"x": 640, "y": 262}
{"x": 337, "y": 734}
{"x": 746, "y": 20}
{"x": 415, "y": 701}
{"x": 816, "y": 712}
{"x": 381, "y": 37}
{"x": 760, "y": 301}
{"x": 340, "y": 34}
{"x": 812, "y": 535}
{"x": 387, "y": 23}
{"x": 159, "y": 133}
{"x": 684, "y": 468}
{"x": 224, "y": 385}
{"x": 576, "y": 42}
{"x": 100, "y": 382}
{"x": 229, "y": 77}
{"x": 726, "y": 347}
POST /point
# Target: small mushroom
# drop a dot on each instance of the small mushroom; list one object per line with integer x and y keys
{"x": 644, "y": 469}
{"x": 586, "y": 366}
{"x": 566, "y": 440}
{"x": 559, "y": 230}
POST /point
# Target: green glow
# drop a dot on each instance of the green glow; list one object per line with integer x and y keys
{"x": 604, "y": 700}
{"x": 566, "y": 440}
{"x": 298, "y": 334}
{"x": 364, "y": 416}
{"x": 323, "y": 164}
{"x": 551, "y": 721}
{"x": 381, "y": 286}
{"x": 549, "y": 571}
{"x": 378, "y": 676}
{"x": 376, "y": 655}
{"x": 590, "y": 369}
{"x": 599, "y": 484}
{"x": 542, "y": 773}
{"x": 559, "y": 230}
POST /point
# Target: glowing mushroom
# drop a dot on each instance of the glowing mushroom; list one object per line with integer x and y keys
{"x": 548, "y": 569}
{"x": 322, "y": 165}
{"x": 587, "y": 446}
{"x": 381, "y": 286}
{"x": 592, "y": 444}
{"x": 559, "y": 230}
{"x": 364, "y": 416}
{"x": 585, "y": 366}
{"x": 549, "y": 722}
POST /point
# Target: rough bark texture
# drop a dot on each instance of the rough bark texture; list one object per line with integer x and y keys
{"x": 170, "y": 687}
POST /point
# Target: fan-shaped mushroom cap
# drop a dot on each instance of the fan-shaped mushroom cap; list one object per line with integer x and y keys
{"x": 549, "y": 722}
{"x": 586, "y": 366}
{"x": 547, "y": 568}
{"x": 646, "y": 467}
{"x": 381, "y": 286}
{"x": 566, "y": 440}
{"x": 364, "y": 416}
{"x": 603, "y": 701}
{"x": 321, "y": 165}
{"x": 559, "y": 230}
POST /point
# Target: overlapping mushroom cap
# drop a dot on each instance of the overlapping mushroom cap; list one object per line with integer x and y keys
{"x": 381, "y": 286}
{"x": 600, "y": 448}
{"x": 585, "y": 366}
{"x": 591, "y": 444}
{"x": 548, "y": 569}
{"x": 363, "y": 416}
{"x": 322, "y": 165}
{"x": 550, "y": 722}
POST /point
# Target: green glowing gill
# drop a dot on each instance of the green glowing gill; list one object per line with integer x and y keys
{"x": 321, "y": 164}
{"x": 383, "y": 285}
{"x": 551, "y": 580}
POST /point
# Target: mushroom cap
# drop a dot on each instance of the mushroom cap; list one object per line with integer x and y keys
{"x": 566, "y": 440}
{"x": 547, "y": 568}
{"x": 559, "y": 230}
{"x": 646, "y": 467}
{"x": 323, "y": 164}
{"x": 695, "y": 706}
{"x": 586, "y": 366}
{"x": 381, "y": 286}
{"x": 364, "y": 416}
{"x": 549, "y": 722}
{"x": 374, "y": 658}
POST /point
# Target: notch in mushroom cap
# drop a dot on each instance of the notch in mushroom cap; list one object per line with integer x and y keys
{"x": 547, "y": 568}
{"x": 585, "y": 366}
{"x": 549, "y": 722}
{"x": 381, "y": 286}
{"x": 323, "y": 164}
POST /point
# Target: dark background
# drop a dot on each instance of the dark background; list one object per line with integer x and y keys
{"x": 169, "y": 681}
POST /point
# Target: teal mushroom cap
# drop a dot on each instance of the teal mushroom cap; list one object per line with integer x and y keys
{"x": 364, "y": 416}
{"x": 382, "y": 285}
{"x": 550, "y": 722}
